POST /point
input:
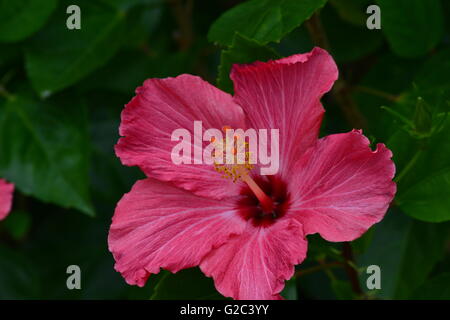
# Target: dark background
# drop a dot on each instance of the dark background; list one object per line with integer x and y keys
{"x": 62, "y": 91}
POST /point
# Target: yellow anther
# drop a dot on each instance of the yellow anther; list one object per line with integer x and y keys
{"x": 234, "y": 170}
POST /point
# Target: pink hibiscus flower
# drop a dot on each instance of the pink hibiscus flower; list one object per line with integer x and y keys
{"x": 249, "y": 234}
{"x": 6, "y": 192}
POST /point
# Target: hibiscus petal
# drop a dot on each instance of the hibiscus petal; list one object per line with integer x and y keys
{"x": 6, "y": 193}
{"x": 285, "y": 94}
{"x": 160, "y": 107}
{"x": 156, "y": 226}
{"x": 254, "y": 265}
{"x": 341, "y": 187}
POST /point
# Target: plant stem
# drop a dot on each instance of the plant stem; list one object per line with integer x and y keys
{"x": 182, "y": 13}
{"x": 347, "y": 254}
{"x": 348, "y": 105}
{"x": 377, "y": 93}
{"x": 327, "y": 271}
{"x": 320, "y": 267}
{"x": 317, "y": 32}
{"x": 341, "y": 92}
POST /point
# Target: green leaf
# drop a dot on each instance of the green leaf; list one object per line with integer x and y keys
{"x": 412, "y": 27}
{"x": 406, "y": 250}
{"x": 44, "y": 148}
{"x": 9, "y": 54}
{"x": 434, "y": 73}
{"x": 187, "y": 284}
{"x": 125, "y": 78}
{"x": 60, "y": 239}
{"x": 141, "y": 23}
{"x": 428, "y": 200}
{"x": 342, "y": 289}
{"x": 243, "y": 50}
{"x": 423, "y": 190}
{"x": 58, "y": 57}
{"x": 18, "y": 223}
{"x": 352, "y": 11}
{"x": 18, "y": 279}
{"x": 344, "y": 48}
{"x": 437, "y": 288}
{"x": 320, "y": 249}
{"x": 127, "y": 4}
{"x": 399, "y": 117}
{"x": 405, "y": 81}
{"x": 110, "y": 180}
{"x": 263, "y": 20}
{"x": 290, "y": 290}
{"x": 21, "y": 18}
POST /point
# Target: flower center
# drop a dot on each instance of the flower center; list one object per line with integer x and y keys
{"x": 252, "y": 208}
{"x": 265, "y": 199}
{"x": 232, "y": 159}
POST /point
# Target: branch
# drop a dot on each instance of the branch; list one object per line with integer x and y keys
{"x": 340, "y": 91}
{"x": 347, "y": 254}
{"x": 182, "y": 13}
{"x": 377, "y": 93}
{"x": 301, "y": 273}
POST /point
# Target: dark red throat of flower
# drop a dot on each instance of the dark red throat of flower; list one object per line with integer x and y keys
{"x": 264, "y": 200}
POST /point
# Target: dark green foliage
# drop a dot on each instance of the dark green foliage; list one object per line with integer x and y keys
{"x": 21, "y": 18}
{"x": 412, "y": 27}
{"x": 242, "y": 50}
{"x": 62, "y": 91}
{"x": 262, "y": 20}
